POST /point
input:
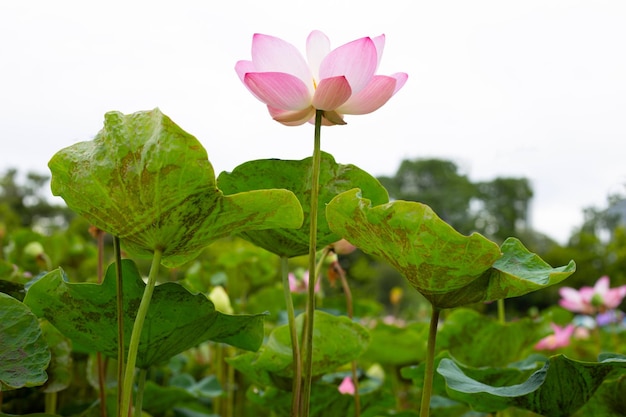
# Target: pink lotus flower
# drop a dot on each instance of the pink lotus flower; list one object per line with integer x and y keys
{"x": 347, "y": 386}
{"x": 559, "y": 339}
{"x": 343, "y": 247}
{"x": 591, "y": 300}
{"x": 339, "y": 81}
{"x": 301, "y": 286}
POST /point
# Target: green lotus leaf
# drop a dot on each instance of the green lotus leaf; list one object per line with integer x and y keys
{"x": 147, "y": 181}
{"x": 327, "y": 401}
{"x": 176, "y": 320}
{"x": 337, "y": 340}
{"x": 609, "y": 400}
{"x": 60, "y": 370}
{"x": 448, "y": 268}
{"x": 24, "y": 353}
{"x": 509, "y": 375}
{"x": 183, "y": 390}
{"x": 409, "y": 344}
{"x": 30, "y": 415}
{"x": 159, "y": 399}
{"x": 14, "y": 289}
{"x": 558, "y": 389}
{"x": 296, "y": 176}
{"x": 464, "y": 327}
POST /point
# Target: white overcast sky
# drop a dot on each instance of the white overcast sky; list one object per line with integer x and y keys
{"x": 529, "y": 88}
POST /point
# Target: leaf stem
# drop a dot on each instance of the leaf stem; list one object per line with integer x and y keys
{"x": 218, "y": 370}
{"x": 350, "y": 311}
{"x": 230, "y": 374}
{"x": 141, "y": 383}
{"x": 429, "y": 372}
{"x": 310, "y": 305}
{"x": 501, "y": 311}
{"x": 99, "y": 235}
{"x": 291, "y": 318}
{"x": 120, "y": 323}
{"x": 51, "y": 402}
{"x": 135, "y": 336}
{"x": 318, "y": 268}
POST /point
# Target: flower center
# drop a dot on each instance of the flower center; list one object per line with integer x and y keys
{"x": 597, "y": 300}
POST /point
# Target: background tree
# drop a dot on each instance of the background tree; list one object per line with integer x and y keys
{"x": 504, "y": 207}
{"x": 600, "y": 243}
{"x": 498, "y": 208}
{"x": 438, "y": 184}
{"x": 598, "y": 246}
{"x": 26, "y": 204}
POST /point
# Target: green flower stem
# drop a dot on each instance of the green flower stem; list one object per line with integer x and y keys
{"x": 141, "y": 383}
{"x": 102, "y": 395}
{"x": 120, "y": 324}
{"x": 291, "y": 317}
{"x": 397, "y": 387}
{"x": 501, "y": 311}
{"x": 310, "y": 305}
{"x": 135, "y": 336}
{"x": 350, "y": 311}
{"x": 218, "y": 370}
{"x": 597, "y": 337}
{"x": 99, "y": 235}
{"x": 230, "y": 411}
{"x": 50, "y": 401}
{"x": 615, "y": 328}
{"x": 318, "y": 268}
{"x": 429, "y": 372}
{"x": 313, "y": 282}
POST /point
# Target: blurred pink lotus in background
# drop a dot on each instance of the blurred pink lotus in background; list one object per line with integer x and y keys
{"x": 347, "y": 386}
{"x": 301, "y": 285}
{"x": 560, "y": 338}
{"x": 592, "y": 300}
{"x": 343, "y": 247}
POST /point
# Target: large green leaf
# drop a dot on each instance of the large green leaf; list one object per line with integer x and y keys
{"x": 296, "y": 176}
{"x": 327, "y": 401}
{"x": 149, "y": 182}
{"x": 440, "y": 403}
{"x": 558, "y": 389}
{"x": 60, "y": 370}
{"x": 24, "y": 353}
{"x": 409, "y": 344}
{"x": 492, "y": 343}
{"x": 509, "y": 375}
{"x": 182, "y": 389}
{"x": 337, "y": 340}
{"x": 14, "y": 289}
{"x": 29, "y": 415}
{"x": 608, "y": 401}
{"x": 176, "y": 320}
{"x": 448, "y": 268}
{"x": 159, "y": 399}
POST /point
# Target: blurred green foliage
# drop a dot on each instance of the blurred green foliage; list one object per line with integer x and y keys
{"x": 37, "y": 235}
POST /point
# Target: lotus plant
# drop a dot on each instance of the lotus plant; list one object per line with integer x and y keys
{"x": 320, "y": 89}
